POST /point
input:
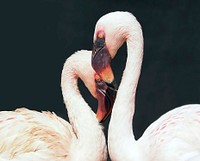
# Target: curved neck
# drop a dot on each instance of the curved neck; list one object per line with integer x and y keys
{"x": 120, "y": 127}
{"x": 79, "y": 113}
{"x": 83, "y": 120}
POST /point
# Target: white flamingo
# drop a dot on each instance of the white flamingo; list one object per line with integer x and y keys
{"x": 27, "y": 135}
{"x": 175, "y": 136}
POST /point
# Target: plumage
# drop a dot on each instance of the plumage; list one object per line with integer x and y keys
{"x": 33, "y": 134}
{"x": 175, "y": 136}
{"x": 28, "y": 135}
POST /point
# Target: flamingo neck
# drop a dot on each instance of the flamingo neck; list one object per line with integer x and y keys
{"x": 120, "y": 127}
{"x": 89, "y": 140}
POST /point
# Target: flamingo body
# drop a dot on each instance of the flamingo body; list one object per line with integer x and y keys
{"x": 28, "y": 135}
{"x": 175, "y": 136}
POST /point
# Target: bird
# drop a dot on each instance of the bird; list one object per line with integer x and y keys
{"x": 31, "y": 135}
{"x": 174, "y": 135}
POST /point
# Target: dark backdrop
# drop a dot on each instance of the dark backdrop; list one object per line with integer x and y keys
{"x": 37, "y": 36}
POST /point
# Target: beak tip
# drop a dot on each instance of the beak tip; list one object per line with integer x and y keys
{"x": 107, "y": 74}
{"x": 106, "y": 96}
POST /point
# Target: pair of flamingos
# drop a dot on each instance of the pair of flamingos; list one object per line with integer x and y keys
{"x": 29, "y": 135}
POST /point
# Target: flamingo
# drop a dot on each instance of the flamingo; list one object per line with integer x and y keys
{"x": 175, "y": 136}
{"x": 28, "y": 135}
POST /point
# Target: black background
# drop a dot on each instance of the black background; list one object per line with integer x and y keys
{"x": 37, "y": 36}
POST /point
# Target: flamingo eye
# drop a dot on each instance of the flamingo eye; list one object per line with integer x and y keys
{"x": 100, "y": 35}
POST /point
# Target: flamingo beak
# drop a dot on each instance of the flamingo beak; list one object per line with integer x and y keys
{"x": 101, "y": 60}
{"x": 105, "y": 84}
{"x": 106, "y": 93}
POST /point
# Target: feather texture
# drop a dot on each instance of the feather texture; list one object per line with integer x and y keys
{"x": 175, "y": 136}
{"x": 28, "y": 135}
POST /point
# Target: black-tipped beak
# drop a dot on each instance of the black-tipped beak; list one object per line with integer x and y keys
{"x": 106, "y": 93}
{"x": 105, "y": 87}
{"x": 101, "y": 60}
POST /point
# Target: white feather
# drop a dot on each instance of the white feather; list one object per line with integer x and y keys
{"x": 173, "y": 137}
{"x": 28, "y": 135}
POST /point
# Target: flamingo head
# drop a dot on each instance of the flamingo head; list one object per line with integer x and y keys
{"x": 111, "y": 31}
{"x": 78, "y": 65}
